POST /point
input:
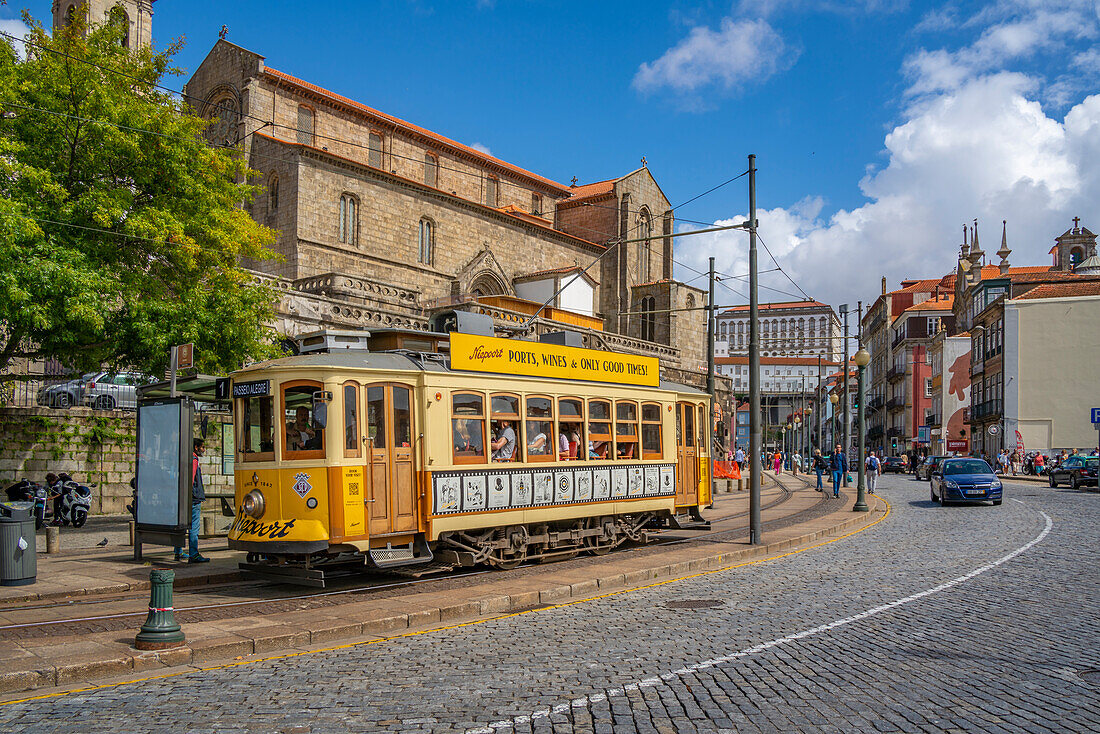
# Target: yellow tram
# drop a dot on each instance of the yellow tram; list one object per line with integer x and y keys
{"x": 348, "y": 456}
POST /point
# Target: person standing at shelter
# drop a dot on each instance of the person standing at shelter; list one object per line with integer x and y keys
{"x": 198, "y": 494}
{"x": 874, "y": 468}
{"x": 838, "y": 465}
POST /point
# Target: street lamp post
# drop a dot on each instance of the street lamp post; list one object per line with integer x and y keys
{"x": 809, "y": 431}
{"x": 795, "y": 441}
{"x": 834, "y": 399}
{"x": 861, "y": 358}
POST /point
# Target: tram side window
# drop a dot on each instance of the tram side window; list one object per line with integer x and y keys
{"x": 599, "y": 428}
{"x": 376, "y": 416}
{"x": 689, "y": 424}
{"x": 702, "y": 426}
{"x": 351, "y": 421}
{"x": 541, "y": 439}
{"x": 402, "y": 417}
{"x": 305, "y": 429}
{"x": 257, "y": 439}
{"x": 571, "y": 431}
{"x": 626, "y": 430}
{"x": 468, "y": 428}
{"x": 504, "y": 425}
{"x": 651, "y": 431}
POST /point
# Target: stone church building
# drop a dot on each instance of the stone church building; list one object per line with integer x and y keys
{"x": 383, "y": 223}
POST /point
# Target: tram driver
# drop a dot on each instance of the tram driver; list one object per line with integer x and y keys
{"x": 504, "y": 445}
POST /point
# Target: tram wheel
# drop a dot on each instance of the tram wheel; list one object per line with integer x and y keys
{"x": 596, "y": 545}
{"x": 516, "y": 553}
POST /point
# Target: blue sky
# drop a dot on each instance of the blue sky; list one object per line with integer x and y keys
{"x": 880, "y": 127}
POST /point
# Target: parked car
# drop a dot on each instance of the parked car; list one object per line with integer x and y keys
{"x": 964, "y": 480}
{"x": 1077, "y": 471}
{"x": 110, "y": 390}
{"x": 928, "y": 467}
{"x": 894, "y": 464}
{"x": 65, "y": 394}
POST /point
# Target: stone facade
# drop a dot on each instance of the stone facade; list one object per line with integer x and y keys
{"x": 391, "y": 222}
{"x": 96, "y": 447}
{"x": 137, "y": 15}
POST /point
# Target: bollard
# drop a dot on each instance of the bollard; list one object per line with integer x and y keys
{"x": 53, "y": 539}
{"x": 133, "y": 530}
{"x": 209, "y": 526}
{"x": 160, "y": 631}
{"x": 729, "y": 486}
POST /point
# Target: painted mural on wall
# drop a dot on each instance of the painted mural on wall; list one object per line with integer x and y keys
{"x": 957, "y": 401}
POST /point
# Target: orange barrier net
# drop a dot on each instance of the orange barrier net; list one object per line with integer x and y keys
{"x": 726, "y": 470}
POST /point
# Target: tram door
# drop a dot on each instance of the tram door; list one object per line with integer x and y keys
{"x": 687, "y": 464}
{"x": 391, "y": 489}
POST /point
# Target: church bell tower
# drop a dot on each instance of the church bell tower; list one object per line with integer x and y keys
{"x": 136, "y": 16}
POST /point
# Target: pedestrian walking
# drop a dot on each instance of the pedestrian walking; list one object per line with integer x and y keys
{"x": 838, "y": 465}
{"x": 777, "y": 463}
{"x": 874, "y": 468}
{"x": 739, "y": 457}
{"x": 198, "y": 494}
{"x": 820, "y": 465}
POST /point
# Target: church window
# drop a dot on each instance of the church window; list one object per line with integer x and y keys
{"x": 70, "y": 14}
{"x": 1076, "y": 255}
{"x": 224, "y": 120}
{"x": 690, "y": 303}
{"x": 431, "y": 170}
{"x": 273, "y": 195}
{"x": 374, "y": 150}
{"x": 649, "y": 320}
{"x": 491, "y": 186}
{"x": 305, "y": 125}
{"x": 536, "y": 204}
{"x": 349, "y": 219}
{"x": 120, "y": 20}
{"x": 426, "y": 249}
{"x": 645, "y": 230}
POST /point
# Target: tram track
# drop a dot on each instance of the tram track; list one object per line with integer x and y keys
{"x": 126, "y": 620}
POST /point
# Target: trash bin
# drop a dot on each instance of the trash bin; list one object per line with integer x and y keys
{"x": 18, "y": 558}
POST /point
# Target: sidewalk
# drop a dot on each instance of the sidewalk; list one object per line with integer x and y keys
{"x": 60, "y": 660}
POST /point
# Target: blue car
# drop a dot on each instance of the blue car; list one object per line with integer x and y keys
{"x": 965, "y": 480}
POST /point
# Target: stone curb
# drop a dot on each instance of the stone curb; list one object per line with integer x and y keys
{"x": 287, "y": 637}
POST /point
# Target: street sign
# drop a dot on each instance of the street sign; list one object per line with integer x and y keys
{"x": 1095, "y": 416}
{"x": 185, "y": 356}
{"x": 993, "y": 430}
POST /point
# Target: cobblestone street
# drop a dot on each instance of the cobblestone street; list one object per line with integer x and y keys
{"x": 924, "y": 622}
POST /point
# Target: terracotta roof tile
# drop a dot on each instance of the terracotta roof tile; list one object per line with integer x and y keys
{"x": 943, "y": 304}
{"x": 1062, "y": 290}
{"x": 408, "y": 127}
{"x": 780, "y": 306}
{"x": 591, "y": 190}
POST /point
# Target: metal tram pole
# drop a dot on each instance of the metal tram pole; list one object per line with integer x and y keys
{"x": 820, "y": 405}
{"x": 754, "y": 369}
{"x": 710, "y": 363}
{"x": 862, "y": 358}
{"x": 845, "y": 427}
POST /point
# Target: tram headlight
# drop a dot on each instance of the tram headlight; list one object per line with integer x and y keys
{"x": 253, "y": 504}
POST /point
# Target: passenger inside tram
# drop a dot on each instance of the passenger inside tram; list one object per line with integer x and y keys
{"x": 300, "y": 434}
{"x": 504, "y": 445}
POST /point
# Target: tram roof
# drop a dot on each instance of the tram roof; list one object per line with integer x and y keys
{"x": 406, "y": 361}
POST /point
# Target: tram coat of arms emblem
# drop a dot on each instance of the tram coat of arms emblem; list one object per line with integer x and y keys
{"x": 301, "y": 484}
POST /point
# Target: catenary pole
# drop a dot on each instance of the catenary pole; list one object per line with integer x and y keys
{"x": 845, "y": 427}
{"x": 710, "y": 359}
{"x": 757, "y": 461}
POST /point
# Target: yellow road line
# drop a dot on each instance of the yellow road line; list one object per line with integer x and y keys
{"x": 460, "y": 625}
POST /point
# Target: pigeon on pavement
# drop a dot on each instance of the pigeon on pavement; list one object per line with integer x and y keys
{"x": 102, "y": 542}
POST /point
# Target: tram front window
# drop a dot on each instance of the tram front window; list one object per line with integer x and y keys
{"x": 257, "y": 428}
{"x": 303, "y": 431}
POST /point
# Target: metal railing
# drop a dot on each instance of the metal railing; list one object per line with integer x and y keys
{"x": 895, "y": 403}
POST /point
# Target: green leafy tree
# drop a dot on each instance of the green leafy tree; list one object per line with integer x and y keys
{"x": 122, "y": 231}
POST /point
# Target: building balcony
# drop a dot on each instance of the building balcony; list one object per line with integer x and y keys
{"x": 875, "y": 403}
{"x": 895, "y": 373}
{"x": 987, "y": 410}
{"x": 932, "y": 419}
{"x": 893, "y": 432}
{"x": 874, "y": 432}
{"x": 895, "y": 403}
{"x": 976, "y": 368}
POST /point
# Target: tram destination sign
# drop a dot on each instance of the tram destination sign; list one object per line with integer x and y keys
{"x": 256, "y": 388}
{"x": 535, "y": 359}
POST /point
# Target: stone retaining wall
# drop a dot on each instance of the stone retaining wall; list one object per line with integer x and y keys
{"x": 94, "y": 446}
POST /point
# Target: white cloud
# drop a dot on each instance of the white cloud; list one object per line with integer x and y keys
{"x": 16, "y": 28}
{"x": 481, "y": 148}
{"x": 739, "y": 53}
{"x": 973, "y": 141}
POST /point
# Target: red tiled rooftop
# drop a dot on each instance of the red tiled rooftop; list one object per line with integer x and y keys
{"x": 408, "y": 127}
{"x": 780, "y": 306}
{"x": 769, "y": 361}
{"x": 1062, "y": 290}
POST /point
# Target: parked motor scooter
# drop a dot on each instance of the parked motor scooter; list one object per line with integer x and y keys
{"x": 75, "y": 502}
{"x": 27, "y": 491}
